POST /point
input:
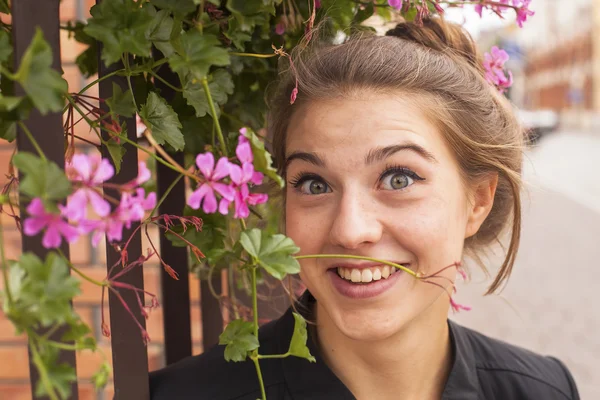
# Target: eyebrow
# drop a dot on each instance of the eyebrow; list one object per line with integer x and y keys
{"x": 373, "y": 156}
{"x": 381, "y": 153}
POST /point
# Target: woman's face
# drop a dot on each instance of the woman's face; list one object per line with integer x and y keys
{"x": 373, "y": 177}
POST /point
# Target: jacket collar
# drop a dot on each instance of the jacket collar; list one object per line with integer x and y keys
{"x": 316, "y": 381}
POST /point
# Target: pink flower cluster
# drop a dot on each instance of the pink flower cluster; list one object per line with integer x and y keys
{"x": 397, "y": 4}
{"x": 88, "y": 173}
{"x": 493, "y": 64}
{"x": 499, "y": 6}
{"x": 236, "y": 190}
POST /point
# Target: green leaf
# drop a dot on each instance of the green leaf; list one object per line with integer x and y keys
{"x": 121, "y": 27}
{"x": 220, "y": 85}
{"x": 239, "y": 339}
{"x": 251, "y": 240}
{"x": 42, "y": 178}
{"x": 43, "y": 85}
{"x": 9, "y": 103}
{"x": 45, "y": 293}
{"x": 272, "y": 252}
{"x": 262, "y": 158}
{"x": 87, "y": 61}
{"x": 197, "y": 53}
{"x": 8, "y": 130}
{"x": 121, "y": 103}
{"x": 179, "y": 8}
{"x": 298, "y": 346}
{"x": 117, "y": 150}
{"x": 4, "y": 7}
{"x": 163, "y": 30}
{"x": 162, "y": 121}
{"x": 5, "y": 46}
{"x": 59, "y": 375}
{"x": 101, "y": 377}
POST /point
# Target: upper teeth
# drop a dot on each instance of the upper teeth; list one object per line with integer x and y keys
{"x": 366, "y": 274}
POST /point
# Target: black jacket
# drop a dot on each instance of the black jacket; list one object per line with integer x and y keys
{"x": 483, "y": 369}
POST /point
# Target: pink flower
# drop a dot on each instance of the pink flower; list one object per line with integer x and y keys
{"x": 494, "y": 72}
{"x": 112, "y": 227}
{"x": 56, "y": 227}
{"x": 523, "y": 12}
{"x": 205, "y": 194}
{"x": 479, "y": 9}
{"x": 244, "y": 154}
{"x": 294, "y": 95}
{"x": 397, "y": 4}
{"x": 90, "y": 171}
{"x": 132, "y": 208}
{"x": 143, "y": 173}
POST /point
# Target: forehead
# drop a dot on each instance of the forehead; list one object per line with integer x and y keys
{"x": 352, "y": 126}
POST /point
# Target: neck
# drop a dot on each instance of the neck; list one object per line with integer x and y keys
{"x": 412, "y": 364}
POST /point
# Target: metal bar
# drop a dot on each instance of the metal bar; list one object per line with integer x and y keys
{"x": 129, "y": 353}
{"x": 175, "y": 293}
{"x": 46, "y": 129}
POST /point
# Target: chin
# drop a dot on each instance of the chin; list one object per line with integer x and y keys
{"x": 370, "y": 324}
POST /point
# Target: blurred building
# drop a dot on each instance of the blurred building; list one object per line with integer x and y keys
{"x": 555, "y": 59}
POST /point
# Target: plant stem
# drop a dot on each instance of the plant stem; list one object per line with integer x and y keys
{"x": 128, "y": 77}
{"x": 32, "y": 140}
{"x": 84, "y": 276}
{"x": 254, "y": 302}
{"x": 252, "y": 55}
{"x": 155, "y": 75}
{"x": 37, "y": 360}
{"x": 260, "y": 378}
{"x": 4, "y": 265}
{"x": 391, "y": 264}
{"x": 163, "y": 153}
{"x": 93, "y": 83}
{"x": 164, "y": 196}
{"x": 266, "y": 356}
{"x": 63, "y": 346}
{"x": 214, "y": 115}
{"x": 255, "y": 352}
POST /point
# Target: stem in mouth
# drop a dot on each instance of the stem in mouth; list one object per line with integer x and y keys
{"x": 391, "y": 264}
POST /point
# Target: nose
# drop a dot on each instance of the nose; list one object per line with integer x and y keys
{"x": 356, "y": 222}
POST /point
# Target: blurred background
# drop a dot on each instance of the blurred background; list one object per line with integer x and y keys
{"x": 548, "y": 304}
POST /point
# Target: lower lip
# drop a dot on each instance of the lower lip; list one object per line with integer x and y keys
{"x": 364, "y": 291}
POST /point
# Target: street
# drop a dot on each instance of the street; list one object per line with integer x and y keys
{"x": 550, "y": 302}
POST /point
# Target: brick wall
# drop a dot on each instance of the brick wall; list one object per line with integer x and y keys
{"x": 14, "y": 362}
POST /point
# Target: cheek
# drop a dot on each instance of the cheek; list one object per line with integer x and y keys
{"x": 432, "y": 230}
{"x": 306, "y": 227}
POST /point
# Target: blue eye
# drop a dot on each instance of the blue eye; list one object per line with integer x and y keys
{"x": 398, "y": 178}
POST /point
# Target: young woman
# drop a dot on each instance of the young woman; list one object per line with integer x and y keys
{"x": 396, "y": 148}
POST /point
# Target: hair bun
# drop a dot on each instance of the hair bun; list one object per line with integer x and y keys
{"x": 442, "y": 36}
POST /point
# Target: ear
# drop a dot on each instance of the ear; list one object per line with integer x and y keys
{"x": 480, "y": 204}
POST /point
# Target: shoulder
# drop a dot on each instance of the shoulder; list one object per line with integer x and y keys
{"x": 509, "y": 371}
{"x": 209, "y": 376}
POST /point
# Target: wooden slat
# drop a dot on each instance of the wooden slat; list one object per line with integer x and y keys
{"x": 175, "y": 293}
{"x": 46, "y": 129}
{"x": 129, "y": 354}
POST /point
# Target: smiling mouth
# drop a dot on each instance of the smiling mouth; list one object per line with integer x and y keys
{"x": 367, "y": 275}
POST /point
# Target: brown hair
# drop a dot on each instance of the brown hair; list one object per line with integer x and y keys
{"x": 439, "y": 63}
